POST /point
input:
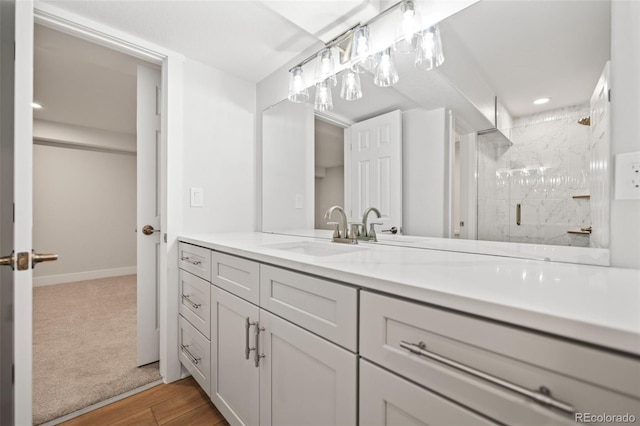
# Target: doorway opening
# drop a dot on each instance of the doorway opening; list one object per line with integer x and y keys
{"x": 86, "y": 203}
{"x": 329, "y": 169}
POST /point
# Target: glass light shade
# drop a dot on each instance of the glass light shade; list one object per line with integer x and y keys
{"x": 325, "y": 66}
{"x": 324, "y": 100}
{"x": 408, "y": 26}
{"x": 429, "y": 53}
{"x": 361, "y": 46}
{"x": 351, "y": 87}
{"x": 297, "y": 90}
{"x": 386, "y": 73}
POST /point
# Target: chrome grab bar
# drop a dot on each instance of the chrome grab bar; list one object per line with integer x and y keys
{"x": 247, "y": 325}
{"x": 193, "y": 262}
{"x": 193, "y": 304}
{"x": 185, "y": 350}
{"x": 541, "y": 396}
{"x": 257, "y": 354}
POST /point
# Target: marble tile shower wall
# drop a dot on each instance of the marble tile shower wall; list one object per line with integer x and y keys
{"x": 546, "y": 166}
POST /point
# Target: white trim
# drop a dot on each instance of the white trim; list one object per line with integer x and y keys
{"x": 23, "y": 218}
{"x": 171, "y": 159}
{"x": 101, "y": 404}
{"x": 83, "y": 276}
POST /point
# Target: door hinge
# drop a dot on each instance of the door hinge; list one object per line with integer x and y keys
{"x": 609, "y": 95}
{"x": 164, "y": 237}
{"x": 13, "y": 374}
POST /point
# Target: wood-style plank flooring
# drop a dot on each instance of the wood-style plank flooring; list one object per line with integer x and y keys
{"x": 180, "y": 403}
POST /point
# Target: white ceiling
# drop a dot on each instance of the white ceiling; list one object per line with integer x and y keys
{"x": 244, "y": 38}
{"x": 524, "y": 48}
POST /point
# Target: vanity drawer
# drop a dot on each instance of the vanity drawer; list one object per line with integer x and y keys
{"x": 195, "y": 302}
{"x": 580, "y": 378}
{"x": 195, "y": 354}
{"x": 196, "y": 260}
{"x": 323, "y": 307}
{"x": 236, "y": 275}
{"x": 389, "y": 400}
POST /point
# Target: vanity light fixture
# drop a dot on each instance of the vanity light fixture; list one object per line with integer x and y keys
{"x": 541, "y": 101}
{"x": 351, "y": 87}
{"x": 297, "y": 90}
{"x": 324, "y": 99}
{"x": 407, "y": 27}
{"x": 351, "y": 51}
{"x": 326, "y": 66}
{"x": 386, "y": 74}
{"x": 36, "y": 105}
{"x": 429, "y": 50}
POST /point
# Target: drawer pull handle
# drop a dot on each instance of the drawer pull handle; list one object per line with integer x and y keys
{"x": 541, "y": 396}
{"x": 191, "y": 302}
{"x": 257, "y": 354}
{"x": 194, "y": 262}
{"x": 185, "y": 350}
{"x": 247, "y": 325}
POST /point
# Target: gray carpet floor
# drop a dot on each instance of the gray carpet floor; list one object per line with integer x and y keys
{"x": 84, "y": 345}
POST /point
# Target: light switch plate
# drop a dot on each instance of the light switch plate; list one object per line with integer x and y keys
{"x": 197, "y": 197}
{"x": 627, "y": 176}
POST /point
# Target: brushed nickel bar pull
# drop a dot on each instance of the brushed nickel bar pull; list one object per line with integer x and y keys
{"x": 193, "y": 262}
{"x": 247, "y": 325}
{"x": 541, "y": 396}
{"x": 518, "y": 213}
{"x": 188, "y": 299}
{"x": 185, "y": 350}
{"x": 257, "y": 354}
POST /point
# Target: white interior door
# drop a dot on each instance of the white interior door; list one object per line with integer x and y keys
{"x": 373, "y": 169}
{"x": 7, "y": 37}
{"x": 16, "y": 155}
{"x": 148, "y": 217}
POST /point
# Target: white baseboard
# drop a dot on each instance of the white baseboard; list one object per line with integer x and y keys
{"x": 83, "y": 276}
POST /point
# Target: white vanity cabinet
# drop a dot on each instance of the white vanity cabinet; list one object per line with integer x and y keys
{"x": 266, "y": 370}
{"x": 284, "y": 348}
{"x": 235, "y": 381}
{"x": 194, "y": 328}
{"x": 512, "y": 375}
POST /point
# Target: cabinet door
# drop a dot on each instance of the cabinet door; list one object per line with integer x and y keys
{"x": 234, "y": 378}
{"x": 389, "y": 400}
{"x": 304, "y": 379}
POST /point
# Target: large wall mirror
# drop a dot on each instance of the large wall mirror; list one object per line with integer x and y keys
{"x": 480, "y": 163}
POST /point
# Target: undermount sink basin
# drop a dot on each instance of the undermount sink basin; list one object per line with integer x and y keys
{"x": 315, "y": 248}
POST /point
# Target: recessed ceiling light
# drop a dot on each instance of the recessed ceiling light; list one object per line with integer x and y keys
{"x": 541, "y": 101}
{"x": 36, "y": 105}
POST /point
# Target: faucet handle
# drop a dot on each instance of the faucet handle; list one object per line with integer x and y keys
{"x": 372, "y": 230}
{"x": 356, "y": 229}
{"x": 336, "y": 229}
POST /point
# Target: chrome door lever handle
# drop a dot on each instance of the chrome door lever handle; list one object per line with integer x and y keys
{"x": 42, "y": 257}
{"x": 148, "y": 230}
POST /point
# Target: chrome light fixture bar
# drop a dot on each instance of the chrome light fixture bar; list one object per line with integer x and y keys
{"x": 351, "y": 51}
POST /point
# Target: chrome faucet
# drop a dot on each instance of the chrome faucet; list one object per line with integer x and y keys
{"x": 370, "y": 234}
{"x": 341, "y": 232}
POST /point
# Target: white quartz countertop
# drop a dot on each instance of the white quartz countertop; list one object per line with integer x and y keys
{"x": 593, "y": 304}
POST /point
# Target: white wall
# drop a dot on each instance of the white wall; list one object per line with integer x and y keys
{"x": 424, "y": 172}
{"x": 85, "y": 211}
{"x": 85, "y": 136}
{"x": 625, "y": 126}
{"x": 219, "y": 149}
{"x": 288, "y": 164}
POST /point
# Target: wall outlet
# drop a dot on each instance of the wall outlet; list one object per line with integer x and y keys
{"x": 627, "y": 176}
{"x": 298, "y": 201}
{"x": 197, "y": 197}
